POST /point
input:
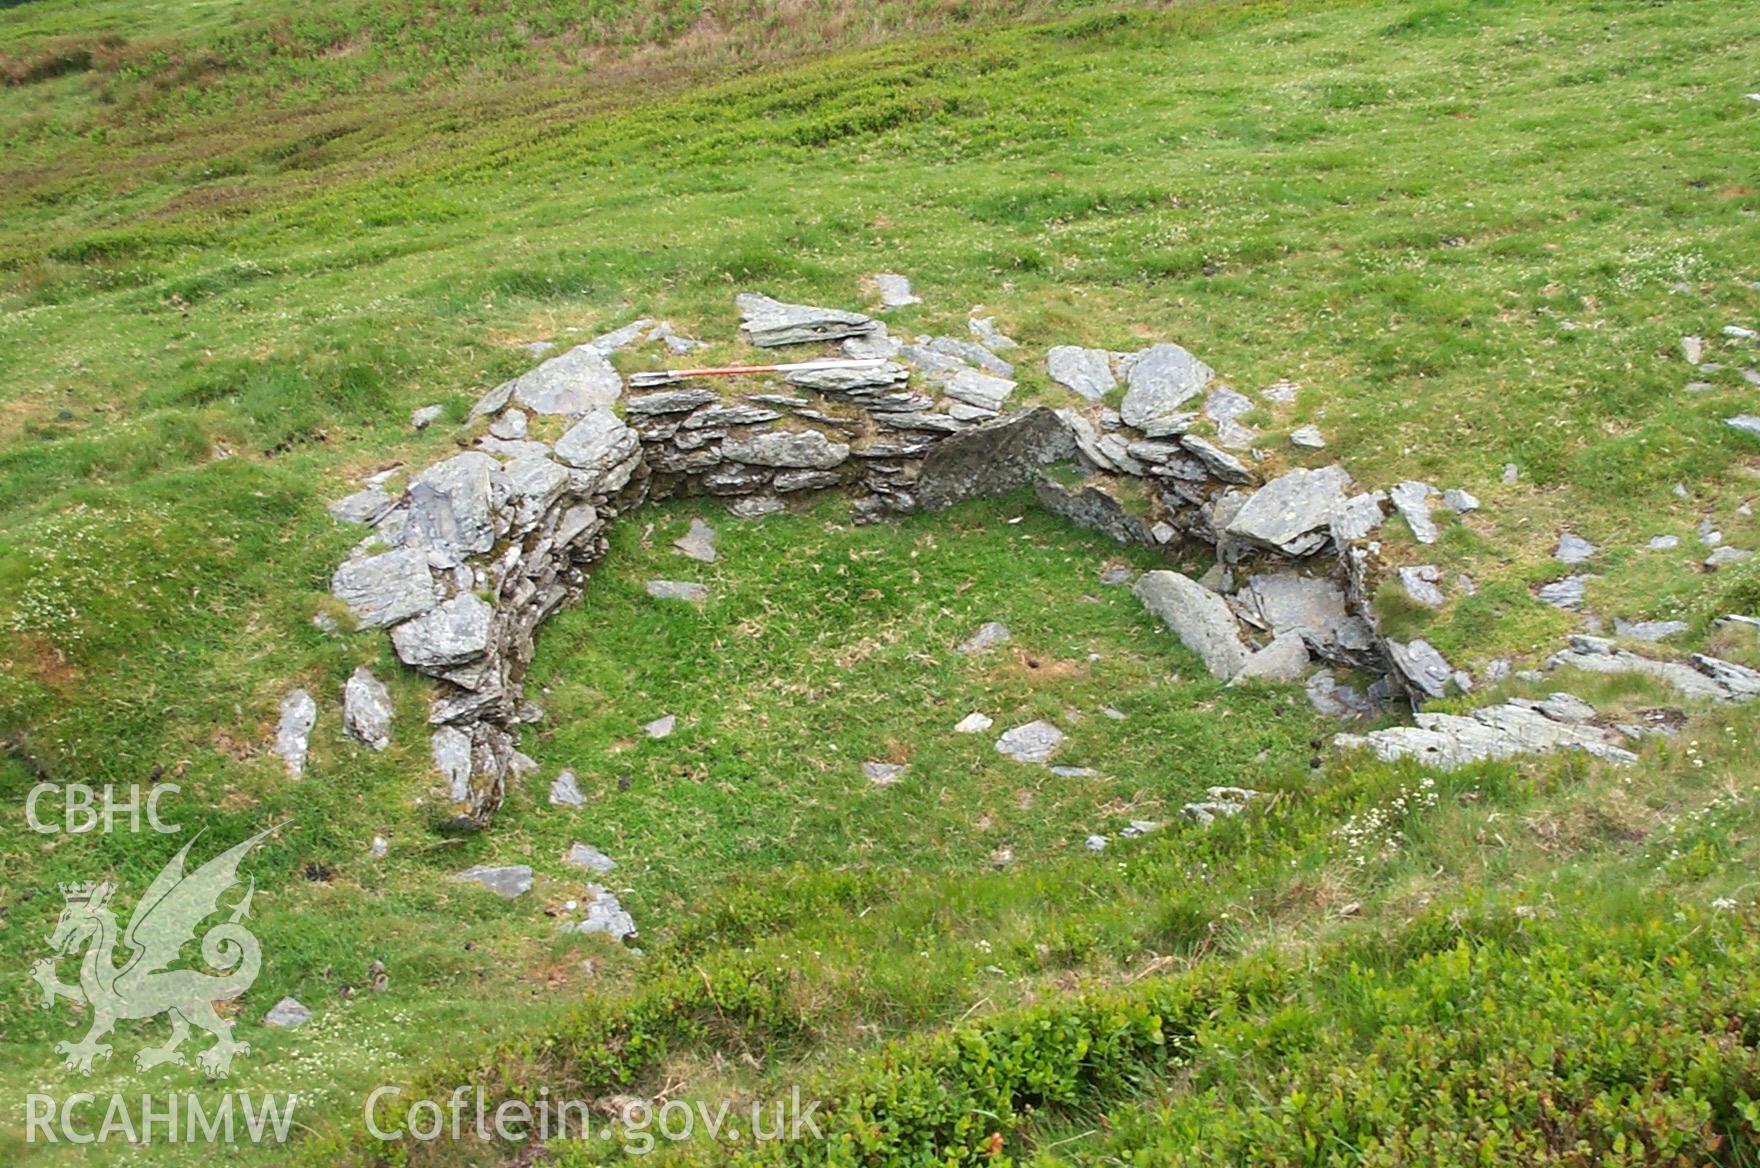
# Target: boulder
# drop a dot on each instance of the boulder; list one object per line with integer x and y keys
{"x": 1199, "y": 617}
{"x": 992, "y": 457}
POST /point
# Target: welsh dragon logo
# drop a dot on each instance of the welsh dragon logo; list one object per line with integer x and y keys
{"x": 144, "y": 985}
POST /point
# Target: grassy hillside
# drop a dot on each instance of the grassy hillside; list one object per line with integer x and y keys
{"x": 239, "y": 245}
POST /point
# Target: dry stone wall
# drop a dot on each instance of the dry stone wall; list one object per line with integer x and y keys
{"x": 465, "y": 562}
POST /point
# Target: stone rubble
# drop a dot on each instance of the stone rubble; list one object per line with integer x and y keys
{"x": 465, "y": 563}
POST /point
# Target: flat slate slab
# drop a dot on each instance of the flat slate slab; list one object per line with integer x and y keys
{"x": 771, "y": 323}
{"x": 677, "y": 590}
{"x": 506, "y": 881}
{"x": 1032, "y": 742}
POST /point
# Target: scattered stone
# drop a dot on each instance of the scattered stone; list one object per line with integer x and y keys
{"x": 506, "y": 881}
{"x": 604, "y": 914}
{"x": 1032, "y": 742}
{"x": 895, "y": 290}
{"x": 984, "y": 328}
{"x": 1293, "y": 513}
{"x": 1459, "y": 501}
{"x": 366, "y": 709}
{"x": 1420, "y": 583}
{"x": 698, "y": 543}
{"x": 580, "y": 855}
{"x": 606, "y": 344}
{"x": 1086, "y": 372}
{"x": 1075, "y": 772}
{"x": 968, "y": 353}
{"x": 1693, "y": 349}
{"x": 1648, "y": 630}
{"x": 1566, "y": 593}
{"x": 771, "y": 324}
{"x": 1283, "y": 392}
{"x": 989, "y": 635}
{"x": 1002, "y": 857}
{"x": 1096, "y": 843}
{"x": 973, "y": 723}
{"x": 1573, "y": 549}
{"x": 293, "y": 733}
{"x": 1328, "y": 697}
{"x": 379, "y": 848}
{"x": 883, "y": 774}
{"x": 1421, "y": 667}
{"x": 676, "y": 343}
{"x": 1162, "y": 378}
{"x": 1113, "y": 712}
{"x": 1746, "y": 423}
{"x": 1223, "y": 801}
{"x": 1307, "y": 438}
{"x": 1448, "y": 741}
{"x": 1510, "y": 474}
{"x": 1225, "y": 407}
{"x": 1598, "y": 655}
{"x": 1741, "y": 682}
{"x": 384, "y": 589}
{"x": 565, "y": 791}
{"x": 287, "y": 1014}
{"x": 1201, "y": 619}
{"x": 1139, "y": 827}
{"x": 1664, "y": 543}
{"x": 367, "y": 506}
{"x": 677, "y": 590}
{"x": 1284, "y": 659}
{"x": 1738, "y": 332}
{"x": 424, "y": 417}
{"x": 1412, "y": 501}
{"x": 1725, "y": 556}
{"x": 1117, "y": 574}
{"x": 661, "y": 727}
{"x": 1564, "y": 707}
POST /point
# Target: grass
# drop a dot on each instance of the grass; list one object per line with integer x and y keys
{"x": 232, "y": 260}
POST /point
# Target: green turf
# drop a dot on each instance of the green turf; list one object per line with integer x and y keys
{"x": 239, "y": 244}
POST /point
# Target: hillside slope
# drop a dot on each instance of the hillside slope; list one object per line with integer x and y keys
{"x": 238, "y": 248}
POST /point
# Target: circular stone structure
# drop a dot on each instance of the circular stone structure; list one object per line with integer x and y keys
{"x": 468, "y": 559}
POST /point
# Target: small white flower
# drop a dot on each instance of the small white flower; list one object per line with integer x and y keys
{"x": 1723, "y": 904}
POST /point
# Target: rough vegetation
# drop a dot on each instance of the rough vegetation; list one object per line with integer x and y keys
{"x": 1506, "y": 248}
